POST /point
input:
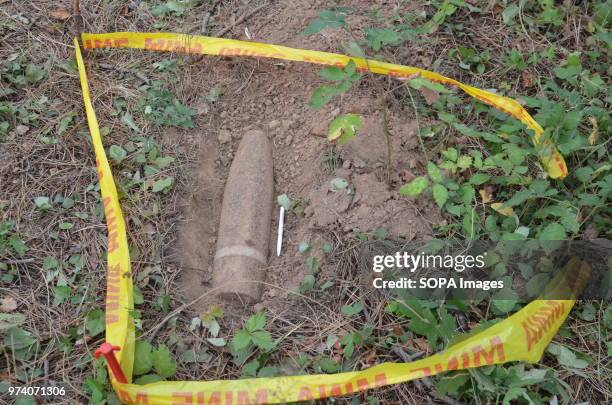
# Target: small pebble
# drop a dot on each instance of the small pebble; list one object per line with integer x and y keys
{"x": 224, "y": 136}
{"x": 21, "y": 129}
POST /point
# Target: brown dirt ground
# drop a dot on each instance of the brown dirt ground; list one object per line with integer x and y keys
{"x": 274, "y": 98}
{"x": 172, "y": 237}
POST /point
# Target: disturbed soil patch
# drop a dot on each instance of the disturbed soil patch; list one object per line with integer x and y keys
{"x": 272, "y": 96}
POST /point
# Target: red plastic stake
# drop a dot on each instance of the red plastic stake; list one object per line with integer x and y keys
{"x": 108, "y": 351}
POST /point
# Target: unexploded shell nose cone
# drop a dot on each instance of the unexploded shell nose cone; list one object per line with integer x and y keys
{"x": 246, "y": 215}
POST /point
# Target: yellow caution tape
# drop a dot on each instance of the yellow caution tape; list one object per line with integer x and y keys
{"x": 551, "y": 159}
{"x": 521, "y": 337}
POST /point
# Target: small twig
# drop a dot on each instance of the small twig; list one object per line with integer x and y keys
{"x": 416, "y": 117}
{"x": 240, "y": 20}
{"x": 407, "y": 358}
{"x": 205, "y": 23}
{"x": 136, "y": 73}
{"x": 78, "y": 19}
{"x": 388, "y": 137}
{"x": 153, "y": 331}
{"x": 18, "y": 261}
{"x": 207, "y": 16}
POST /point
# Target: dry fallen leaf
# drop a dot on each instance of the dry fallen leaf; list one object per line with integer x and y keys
{"x": 528, "y": 78}
{"x": 60, "y": 14}
{"x": 370, "y": 358}
{"x": 421, "y": 343}
{"x": 338, "y": 347}
{"x": 8, "y": 304}
{"x": 506, "y": 211}
{"x": 590, "y": 232}
{"x": 594, "y": 136}
{"x": 486, "y": 195}
{"x": 430, "y": 96}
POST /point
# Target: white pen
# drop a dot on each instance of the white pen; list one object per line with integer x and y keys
{"x": 281, "y": 223}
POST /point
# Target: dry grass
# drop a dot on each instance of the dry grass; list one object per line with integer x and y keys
{"x": 30, "y": 168}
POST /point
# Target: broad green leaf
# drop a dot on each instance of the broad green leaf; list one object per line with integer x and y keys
{"x": 451, "y": 154}
{"x": 18, "y": 245}
{"x": 250, "y": 368}
{"x": 338, "y": 184}
{"x": 192, "y": 356}
{"x": 351, "y": 69}
{"x": 218, "y": 342}
{"x": 303, "y": 247}
{"x": 8, "y": 321}
{"x": 65, "y": 123}
{"x": 163, "y": 185}
{"x": 143, "y": 359}
{"x": 415, "y": 187}
{"x": 518, "y": 198}
{"x": 25, "y": 400}
{"x": 434, "y": 172}
{"x": 42, "y": 203}
{"x": 463, "y": 162}
{"x": 513, "y": 394}
{"x": 553, "y": 231}
{"x": 262, "y": 339}
{"x": 283, "y": 200}
{"x": 344, "y": 128}
{"x": 352, "y": 310}
{"x": 505, "y": 300}
{"x": 419, "y": 82}
{"x": 352, "y": 48}
{"x": 163, "y": 364}
{"x": 479, "y": 178}
{"x": 566, "y": 357}
{"x": 327, "y": 19}
{"x": 312, "y": 263}
{"x": 536, "y": 284}
{"x": 163, "y": 162}
{"x": 307, "y": 284}
{"x": 61, "y": 293}
{"x": 117, "y": 153}
{"x": 34, "y": 73}
{"x": 449, "y": 118}
{"x": 440, "y": 194}
{"x": 588, "y": 313}
{"x": 241, "y": 340}
{"x": 320, "y": 96}
{"x": 17, "y": 339}
{"x": 256, "y": 322}
{"x": 451, "y": 384}
{"x": 583, "y": 174}
{"x": 128, "y": 120}
{"x": 509, "y": 13}
{"x": 95, "y": 322}
{"x": 148, "y": 379}
{"x": 376, "y": 37}
{"x": 332, "y": 73}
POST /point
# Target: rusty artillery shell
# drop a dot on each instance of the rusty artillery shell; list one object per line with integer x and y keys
{"x": 246, "y": 215}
